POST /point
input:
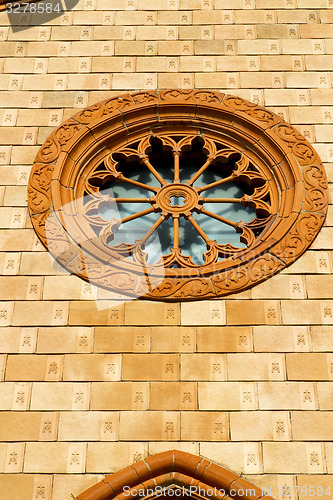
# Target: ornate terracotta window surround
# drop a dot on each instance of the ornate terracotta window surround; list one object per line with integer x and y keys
{"x": 280, "y": 174}
{"x": 178, "y": 470}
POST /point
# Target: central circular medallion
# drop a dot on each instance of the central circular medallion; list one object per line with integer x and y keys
{"x": 187, "y": 197}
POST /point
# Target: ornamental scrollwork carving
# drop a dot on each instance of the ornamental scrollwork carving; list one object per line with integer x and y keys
{"x": 220, "y": 194}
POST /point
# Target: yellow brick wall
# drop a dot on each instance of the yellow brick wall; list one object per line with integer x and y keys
{"x": 245, "y": 381}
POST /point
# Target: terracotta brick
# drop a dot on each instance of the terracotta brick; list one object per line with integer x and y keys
{"x": 16, "y": 195}
{"x": 314, "y": 483}
{"x": 9, "y": 339}
{"x": 173, "y": 396}
{"x": 24, "y": 368}
{"x": 75, "y": 483}
{"x": 48, "y": 430}
{"x": 17, "y": 485}
{"x": 284, "y": 63}
{"x": 156, "y": 64}
{"x": 128, "y": 48}
{"x": 255, "y": 312}
{"x": 224, "y": 339}
{"x": 149, "y": 426}
{"x": 62, "y": 287}
{"x": 239, "y": 457}
{"x": 226, "y": 396}
{"x": 280, "y": 287}
{"x": 46, "y": 457}
{"x": 6, "y": 313}
{"x": 295, "y": 312}
{"x": 51, "y": 396}
{"x": 318, "y": 97}
{"x": 126, "y": 339}
{"x": 279, "y": 396}
{"x": 16, "y": 240}
{"x": 251, "y": 426}
{"x": 129, "y": 18}
{"x": 321, "y": 338}
{"x": 256, "y": 47}
{"x": 203, "y": 367}
{"x": 312, "y": 426}
{"x": 293, "y": 459}
{"x": 89, "y": 313}
{"x": 40, "y": 313}
{"x": 329, "y": 451}
{"x": 325, "y": 395}
{"x": 312, "y": 262}
{"x": 13, "y": 458}
{"x": 204, "y": 313}
{"x": 316, "y": 31}
{"x": 3, "y": 360}
{"x": 209, "y": 47}
{"x": 322, "y": 135}
{"x": 153, "y": 313}
{"x": 307, "y": 366}
{"x": 111, "y": 457}
{"x": 161, "y": 446}
{"x": 255, "y": 366}
{"x": 319, "y": 287}
{"x": 36, "y": 263}
{"x": 59, "y": 339}
{"x": 21, "y": 395}
{"x": 204, "y": 80}
{"x": 318, "y": 62}
{"x": 119, "y": 396}
{"x": 280, "y": 338}
{"x": 204, "y": 426}
{"x": 244, "y": 63}
{"x": 324, "y": 239}
{"x": 89, "y": 367}
{"x": 18, "y": 426}
{"x": 277, "y": 31}
{"x": 150, "y": 367}
{"x": 173, "y": 339}
{"x": 88, "y": 426}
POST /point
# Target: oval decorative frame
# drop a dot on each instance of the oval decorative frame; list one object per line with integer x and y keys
{"x": 290, "y": 163}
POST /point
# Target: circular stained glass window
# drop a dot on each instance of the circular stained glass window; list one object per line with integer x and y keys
{"x": 177, "y": 195}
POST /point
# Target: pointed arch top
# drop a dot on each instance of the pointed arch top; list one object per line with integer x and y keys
{"x": 174, "y": 468}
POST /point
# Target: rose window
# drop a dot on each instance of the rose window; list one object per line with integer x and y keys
{"x": 203, "y": 200}
{"x": 176, "y": 195}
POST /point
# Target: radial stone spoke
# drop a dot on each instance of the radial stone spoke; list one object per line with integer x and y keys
{"x": 199, "y": 172}
{"x": 139, "y": 184}
{"x": 217, "y": 183}
{"x": 200, "y": 231}
{"x": 176, "y": 232}
{"x": 176, "y": 166}
{"x": 137, "y": 215}
{"x": 129, "y": 200}
{"x": 153, "y": 171}
{"x": 152, "y": 229}
{"x": 219, "y": 218}
{"x": 222, "y": 200}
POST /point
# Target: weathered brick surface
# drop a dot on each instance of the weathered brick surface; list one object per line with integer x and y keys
{"x": 246, "y": 381}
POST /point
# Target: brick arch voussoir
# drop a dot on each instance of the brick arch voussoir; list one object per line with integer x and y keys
{"x": 177, "y": 468}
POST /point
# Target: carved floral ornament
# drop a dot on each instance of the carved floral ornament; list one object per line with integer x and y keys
{"x": 164, "y": 163}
